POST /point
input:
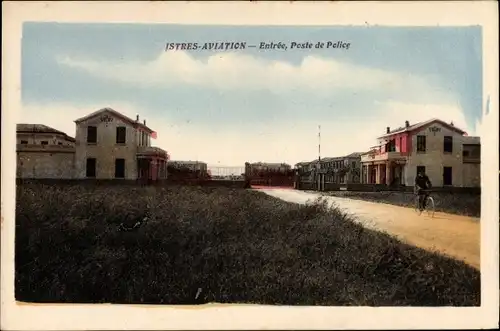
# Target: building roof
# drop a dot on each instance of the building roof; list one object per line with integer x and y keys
{"x": 421, "y": 125}
{"x": 337, "y": 158}
{"x": 40, "y": 128}
{"x": 117, "y": 114}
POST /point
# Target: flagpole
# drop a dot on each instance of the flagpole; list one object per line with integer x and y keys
{"x": 319, "y": 158}
{"x": 319, "y": 143}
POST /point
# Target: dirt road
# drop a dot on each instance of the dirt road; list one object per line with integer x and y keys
{"x": 454, "y": 235}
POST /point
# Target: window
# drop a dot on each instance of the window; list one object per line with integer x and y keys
{"x": 121, "y": 134}
{"x": 120, "y": 168}
{"x": 401, "y": 149}
{"x": 59, "y": 143}
{"x": 44, "y": 142}
{"x": 391, "y": 146}
{"x": 342, "y": 179}
{"x": 465, "y": 153}
{"x": 353, "y": 164}
{"x": 24, "y": 142}
{"x": 448, "y": 144}
{"x": 91, "y": 134}
{"x": 90, "y": 167}
{"x": 420, "y": 169}
{"x": 421, "y": 143}
{"x": 447, "y": 176}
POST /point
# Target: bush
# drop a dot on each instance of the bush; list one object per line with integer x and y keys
{"x": 203, "y": 244}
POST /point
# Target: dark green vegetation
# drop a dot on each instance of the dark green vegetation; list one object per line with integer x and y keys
{"x": 454, "y": 203}
{"x": 235, "y": 245}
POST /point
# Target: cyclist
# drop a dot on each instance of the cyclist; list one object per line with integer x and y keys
{"x": 422, "y": 184}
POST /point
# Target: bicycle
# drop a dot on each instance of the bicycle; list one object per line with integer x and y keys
{"x": 429, "y": 206}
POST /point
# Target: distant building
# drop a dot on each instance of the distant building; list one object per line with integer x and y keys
{"x": 269, "y": 174}
{"x": 342, "y": 170}
{"x": 44, "y": 152}
{"x": 108, "y": 145}
{"x": 261, "y": 167}
{"x": 339, "y": 170}
{"x": 191, "y": 165}
{"x": 447, "y": 155}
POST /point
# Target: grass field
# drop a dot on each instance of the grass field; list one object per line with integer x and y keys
{"x": 224, "y": 245}
{"x": 454, "y": 203}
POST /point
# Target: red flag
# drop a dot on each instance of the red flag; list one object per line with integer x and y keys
{"x": 154, "y": 135}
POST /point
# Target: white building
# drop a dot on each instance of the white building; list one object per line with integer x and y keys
{"x": 111, "y": 145}
{"x": 447, "y": 155}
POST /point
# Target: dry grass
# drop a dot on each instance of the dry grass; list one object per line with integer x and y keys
{"x": 235, "y": 245}
{"x": 454, "y": 203}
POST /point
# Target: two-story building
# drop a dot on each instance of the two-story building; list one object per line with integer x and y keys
{"x": 107, "y": 145}
{"x": 44, "y": 152}
{"x": 111, "y": 145}
{"x": 317, "y": 174}
{"x": 341, "y": 169}
{"x": 447, "y": 155}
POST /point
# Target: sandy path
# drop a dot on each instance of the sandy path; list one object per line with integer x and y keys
{"x": 454, "y": 235}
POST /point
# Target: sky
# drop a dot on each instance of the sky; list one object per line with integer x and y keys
{"x": 227, "y": 107}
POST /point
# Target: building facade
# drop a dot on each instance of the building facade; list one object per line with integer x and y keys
{"x": 107, "y": 145}
{"x": 447, "y": 155}
{"x": 44, "y": 152}
{"x": 341, "y": 170}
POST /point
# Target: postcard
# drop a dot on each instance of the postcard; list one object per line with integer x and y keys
{"x": 249, "y": 165}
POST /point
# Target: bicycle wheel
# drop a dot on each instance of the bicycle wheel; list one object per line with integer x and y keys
{"x": 430, "y": 207}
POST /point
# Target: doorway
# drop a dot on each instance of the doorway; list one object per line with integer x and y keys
{"x": 120, "y": 168}
{"x": 447, "y": 176}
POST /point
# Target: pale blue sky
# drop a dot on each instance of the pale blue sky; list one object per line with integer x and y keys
{"x": 251, "y": 105}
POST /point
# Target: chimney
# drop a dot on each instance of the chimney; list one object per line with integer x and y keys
{"x": 452, "y": 123}
{"x": 137, "y": 118}
{"x": 407, "y": 124}
{"x": 388, "y": 130}
{"x": 144, "y": 122}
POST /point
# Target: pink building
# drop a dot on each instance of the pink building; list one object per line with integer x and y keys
{"x": 447, "y": 155}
